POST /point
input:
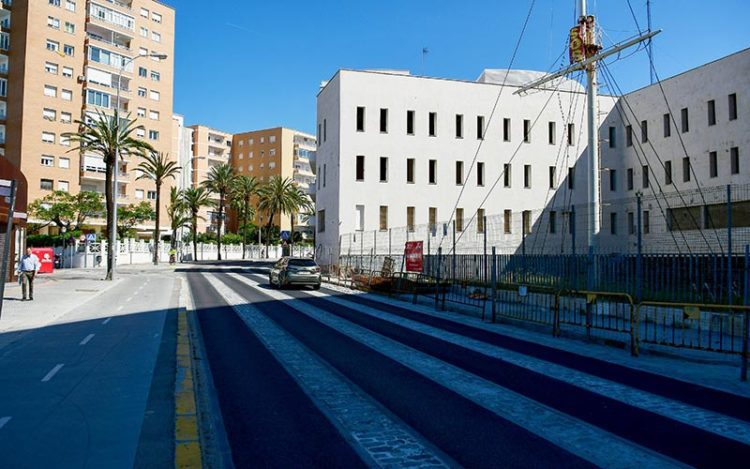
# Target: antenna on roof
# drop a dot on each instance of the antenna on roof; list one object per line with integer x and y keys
{"x": 425, "y": 51}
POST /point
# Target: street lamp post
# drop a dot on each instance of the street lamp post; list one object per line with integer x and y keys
{"x": 113, "y": 233}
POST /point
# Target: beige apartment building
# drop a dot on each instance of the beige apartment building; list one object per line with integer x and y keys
{"x": 64, "y": 60}
{"x": 210, "y": 148}
{"x": 278, "y": 152}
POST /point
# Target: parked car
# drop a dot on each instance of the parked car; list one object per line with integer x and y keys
{"x": 295, "y": 271}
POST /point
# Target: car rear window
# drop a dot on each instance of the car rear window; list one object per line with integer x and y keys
{"x": 302, "y": 262}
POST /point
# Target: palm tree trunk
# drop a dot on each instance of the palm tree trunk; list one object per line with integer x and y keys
{"x": 111, "y": 228}
{"x": 268, "y": 233}
{"x": 195, "y": 236}
{"x": 244, "y": 227}
{"x": 156, "y": 225}
{"x": 218, "y": 231}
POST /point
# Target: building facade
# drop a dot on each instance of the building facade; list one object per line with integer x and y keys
{"x": 66, "y": 60}
{"x": 210, "y": 148}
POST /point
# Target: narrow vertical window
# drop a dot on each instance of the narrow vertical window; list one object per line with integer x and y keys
{"x": 612, "y": 137}
{"x": 324, "y": 174}
{"x": 644, "y": 176}
{"x": 613, "y": 223}
{"x": 459, "y": 126}
{"x": 526, "y": 131}
{"x": 432, "y": 124}
{"x": 733, "y": 106}
{"x": 480, "y": 174}
{"x": 552, "y": 177}
{"x": 360, "y": 168}
{"x": 459, "y": 219}
{"x": 384, "y": 121}
{"x": 507, "y": 221}
{"x": 410, "y": 218}
{"x": 506, "y": 130}
{"x": 629, "y": 136}
{"x": 459, "y": 173}
{"x": 713, "y": 164}
{"x": 325, "y": 130}
{"x": 432, "y": 170}
{"x": 667, "y": 172}
{"x": 711, "y": 112}
{"x": 321, "y": 221}
{"x": 551, "y": 137}
{"x": 630, "y": 179}
{"x": 410, "y": 122}
{"x": 433, "y": 218}
{"x": 734, "y": 158}
{"x": 631, "y": 223}
{"x": 359, "y": 217}
{"x": 410, "y": 170}
{"x": 667, "y": 126}
{"x": 480, "y": 127}
{"x": 684, "y": 119}
{"x": 506, "y": 175}
{"x": 553, "y": 222}
{"x": 480, "y": 220}
{"x": 571, "y": 177}
{"x": 318, "y": 138}
{"x": 360, "y": 119}
{"x": 526, "y": 220}
{"x": 644, "y": 131}
{"x": 686, "y": 169}
{"x": 383, "y": 169}
{"x": 612, "y": 180}
{"x": 527, "y": 176}
{"x": 571, "y": 134}
{"x": 383, "y": 218}
{"x": 646, "y": 222}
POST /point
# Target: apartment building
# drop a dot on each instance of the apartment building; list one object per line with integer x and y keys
{"x": 64, "y": 60}
{"x": 210, "y": 147}
{"x": 182, "y": 148}
{"x": 278, "y": 152}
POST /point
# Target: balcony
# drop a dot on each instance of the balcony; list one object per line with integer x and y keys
{"x": 123, "y": 5}
{"x": 99, "y": 40}
{"x": 98, "y": 174}
{"x": 110, "y": 18}
{"x": 7, "y": 4}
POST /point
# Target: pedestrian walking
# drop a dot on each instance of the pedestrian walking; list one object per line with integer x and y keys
{"x": 27, "y": 269}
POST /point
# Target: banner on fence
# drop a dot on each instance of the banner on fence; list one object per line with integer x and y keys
{"x": 413, "y": 255}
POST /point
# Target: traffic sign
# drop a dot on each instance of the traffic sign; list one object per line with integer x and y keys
{"x": 91, "y": 237}
{"x": 285, "y": 235}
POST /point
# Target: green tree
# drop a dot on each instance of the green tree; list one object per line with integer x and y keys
{"x": 132, "y": 215}
{"x": 194, "y": 199}
{"x": 177, "y": 213}
{"x": 280, "y": 196}
{"x": 158, "y": 168}
{"x": 66, "y": 210}
{"x": 219, "y": 181}
{"x": 243, "y": 189}
{"x": 111, "y": 137}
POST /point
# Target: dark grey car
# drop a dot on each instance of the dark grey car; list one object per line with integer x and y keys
{"x": 295, "y": 271}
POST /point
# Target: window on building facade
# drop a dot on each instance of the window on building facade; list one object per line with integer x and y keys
{"x": 143, "y": 32}
{"x": 613, "y": 223}
{"x": 141, "y": 92}
{"x": 480, "y": 220}
{"x": 409, "y": 122}
{"x": 713, "y": 164}
{"x": 432, "y": 170}
{"x": 629, "y": 178}
{"x": 480, "y": 174}
{"x": 631, "y": 223}
{"x": 612, "y": 137}
{"x": 684, "y": 119}
{"x": 49, "y": 114}
{"x": 644, "y": 131}
{"x": 63, "y": 163}
{"x": 53, "y": 46}
{"x": 360, "y": 119}
{"x": 325, "y": 130}
{"x": 459, "y": 219}
{"x": 70, "y": 5}
{"x": 384, "y": 121}
{"x": 551, "y": 137}
{"x": 552, "y": 177}
{"x": 612, "y": 180}
{"x": 272, "y": 139}
{"x": 410, "y": 170}
{"x": 480, "y": 127}
{"x": 156, "y": 37}
{"x": 459, "y": 173}
{"x": 50, "y": 67}
{"x": 629, "y": 136}
{"x": 646, "y": 222}
{"x": 667, "y": 122}
{"x": 153, "y": 115}
{"x": 667, "y": 172}
{"x": 383, "y": 169}
{"x": 732, "y": 106}
{"x": 321, "y": 224}
{"x": 506, "y": 129}
{"x": 155, "y": 17}
{"x": 151, "y": 195}
{"x": 153, "y": 134}
{"x": 571, "y": 177}
{"x": 69, "y": 50}
{"x": 734, "y": 159}
{"x": 526, "y": 131}
{"x": 53, "y": 22}
{"x": 66, "y": 117}
{"x": 360, "y": 169}
{"x": 410, "y": 218}
{"x": 67, "y": 72}
{"x": 141, "y": 112}
{"x": 686, "y": 169}
{"x": 63, "y": 186}
{"x": 142, "y": 72}
{"x": 527, "y": 176}
{"x": 507, "y": 221}
{"x": 507, "y": 174}
{"x": 383, "y": 221}
{"x": 46, "y": 184}
{"x": 432, "y": 218}
{"x": 644, "y": 176}
{"x": 711, "y": 108}
{"x": 359, "y": 218}
{"x": 48, "y": 137}
{"x": 67, "y": 95}
{"x": 526, "y": 221}
{"x": 70, "y": 28}
{"x": 154, "y": 95}
{"x": 459, "y": 126}
{"x": 139, "y": 193}
{"x": 48, "y": 161}
{"x": 54, "y": 3}
{"x": 50, "y": 91}
{"x": 571, "y": 134}
{"x": 432, "y": 124}
{"x": 552, "y": 222}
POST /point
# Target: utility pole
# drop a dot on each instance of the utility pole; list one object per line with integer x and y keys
{"x": 650, "y": 43}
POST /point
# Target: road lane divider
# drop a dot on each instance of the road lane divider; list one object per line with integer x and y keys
{"x": 87, "y": 339}
{"x": 4, "y": 420}
{"x": 52, "y": 372}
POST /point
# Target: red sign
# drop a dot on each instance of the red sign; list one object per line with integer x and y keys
{"x": 46, "y": 258}
{"x": 413, "y": 255}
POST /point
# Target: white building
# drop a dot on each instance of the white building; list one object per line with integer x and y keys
{"x": 182, "y": 144}
{"x": 398, "y": 153}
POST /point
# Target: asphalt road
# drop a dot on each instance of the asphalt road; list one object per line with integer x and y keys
{"x": 275, "y": 417}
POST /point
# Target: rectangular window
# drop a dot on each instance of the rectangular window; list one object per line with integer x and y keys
{"x": 646, "y": 222}
{"x": 384, "y": 121}
{"x": 612, "y": 180}
{"x": 629, "y": 136}
{"x": 67, "y": 72}
{"x": 711, "y": 112}
{"x": 153, "y": 134}
{"x": 667, "y": 125}
{"x": 644, "y": 176}
{"x": 506, "y": 130}
{"x": 151, "y": 195}
{"x": 612, "y": 137}
{"x": 360, "y": 119}
{"x": 325, "y": 130}
{"x": 433, "y": 218}
{"x": 432, "y": 170}
{"x": 667, "y": 172}
{"x": 45, "y": 184}
{"x": 480, "y": 220}
{"x": 613, "y": 223}
{"x": 480, "y": 174}
{"x": 480, "y": 127}
{"x": 644, "y": 131}
{"x": 551, "y": 131}
{"x": 631, "y": 223}
{"x": 141, "y": 112}
{"x": 630, "y": 179}
{"x": 53, "y": 22}
{"x": 359, "y": 218}
{"x": 553, "y": 222}
{"x": 527, "y": 176}
{"x": 360, "y": 170}
{"x": 50, "y": 91}
{"x": 459, "y": 219}
{"x": 53, "y": 46}
{"x": 432, "y": 124}
{"x": 383, "y": 223}
{"x": 49, "y": 67}
{"x": 713, "y": 165}
{"x": 141, "y": 92}
{"x": 69, "y": 50}
{"x": 154, "y": 115}
{"x": 64, "y": 140}
{"x": 409, "y": 122}
{"x": 155, "y": 95}
{"x": 410, "y": 170}
{"x": 571, "y": 177}
{"x": 686, "y": 169}
{"x": 143, "y": 32}
{"x": 526, "y": 131}
{"x": 733, "y": 106}
{"x": 684, "y": 119}
{"x": 139, "y": 194}
{"x": 156, "y": 37}
{"x": 66, "y": 117}
{"x": 70, "y": 27}
{"x": 526, "y": 221}
{"x": 571, "y": 134}
{"x": 48, "y": 161}
{"x": 383, "y": 169}
{"x": 459, "y": 126}
{"x": 734, "y": 159}
{"x": 63, "y": 163}
{"x": 70, "y": 5}
{"x": 142, "y": 72}
{"x": 459, "y": 173}
{"x": 155, "y": 17}
{"x": 55, "y": 3}
{"x": 507, "y": 221}
{"x": 552, "y": 177}
{"x": 67, "y": 95}
{"x": 507, "y": 175}
{"x": 410, "y": 218}
{"x": 321, "y": 224}
{"x": 48, "y": 137}
{"x": 97, "y": 98}
{"x": 49, "y": 114}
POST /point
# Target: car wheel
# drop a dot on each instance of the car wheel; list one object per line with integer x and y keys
{"x": 316, "y": 287}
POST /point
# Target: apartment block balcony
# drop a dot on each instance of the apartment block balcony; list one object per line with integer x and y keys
{"x": 123, "y": 5}
{"x": 94, "y": 35}
{"x": 91, "y": 174}
{"x": 111, "y": 18}
{"x": 6, "y": 4}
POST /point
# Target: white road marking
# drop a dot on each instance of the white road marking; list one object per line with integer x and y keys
{"x": 52, "y": 372}
{"x": 129, "y": 298}
{"x": 86, "y": 340}
{"x": 119, "y": 308}
{"x": 4, "y": 420}
{"x": 106, "y": 320}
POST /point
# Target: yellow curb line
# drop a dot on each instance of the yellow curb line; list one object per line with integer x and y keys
{"x": 187, "y": 451}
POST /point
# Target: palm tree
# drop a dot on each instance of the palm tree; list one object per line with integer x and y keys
{"x": 243, "y": 189}
{"x": 194, "y": 199}
{"x": 112, "y": 138}
{"x": 158, "y": 168}
{"x": 177, "y": 213}
{"x": 219, "y": 181}
{"x": 280, "y": 196}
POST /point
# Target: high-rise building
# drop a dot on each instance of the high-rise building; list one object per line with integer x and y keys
{"x": 211, "y": 148}
{"x": 278, "y": 152}
{"x": 66, "y": 60}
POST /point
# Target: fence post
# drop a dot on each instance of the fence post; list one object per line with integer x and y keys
{"x": 453, "y": 254}
{"x": 484, "y": 232}
{"x": 437, "y": 279}
{"x": 746, "y": 325}
{"x": 730, "y": 289}
{"x": 573, "y": 246}
{"x": 494, "y": 284}
{"x": 639, "y": 254}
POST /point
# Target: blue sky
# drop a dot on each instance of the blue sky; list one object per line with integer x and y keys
{"x": 244, "y": 65}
